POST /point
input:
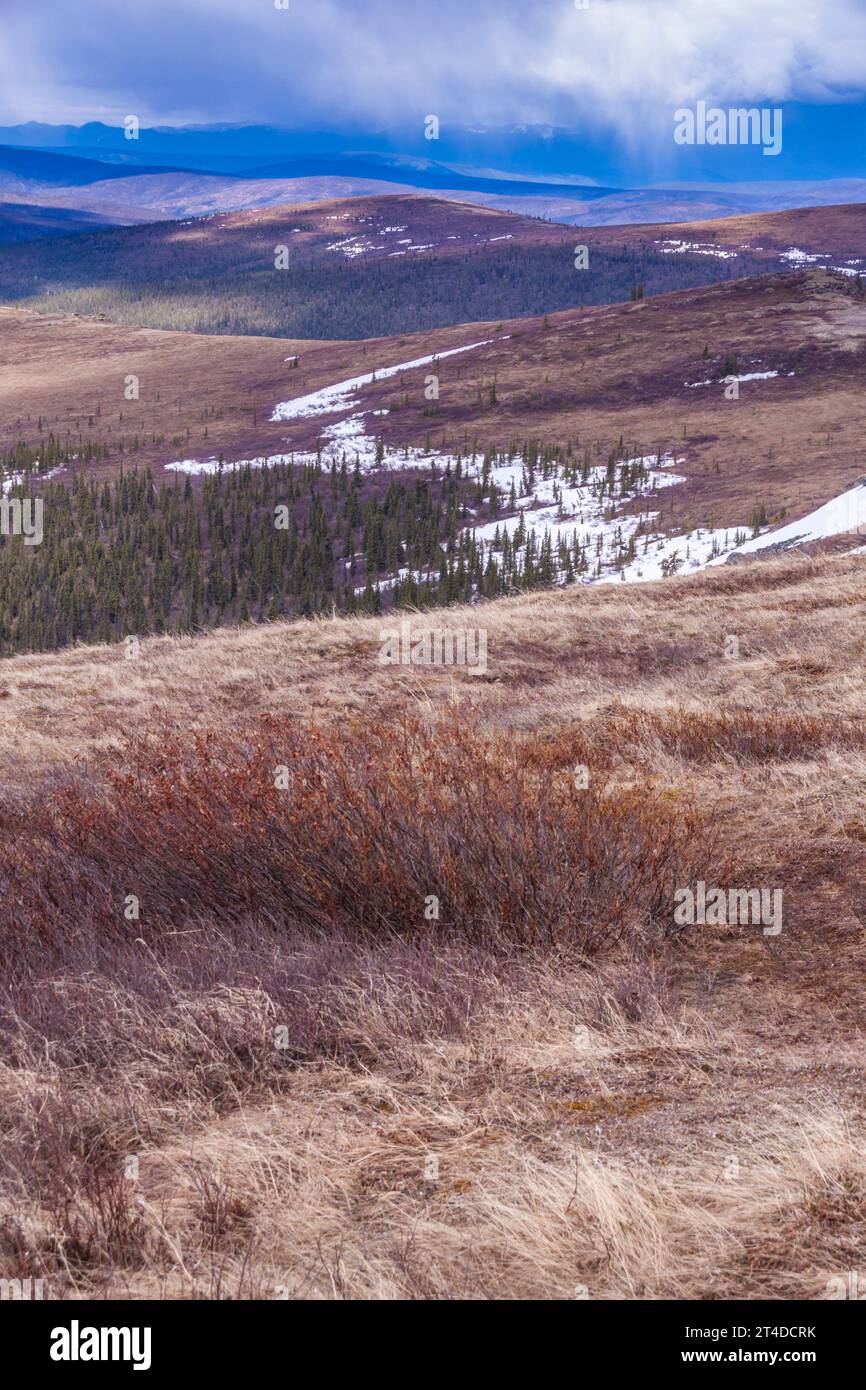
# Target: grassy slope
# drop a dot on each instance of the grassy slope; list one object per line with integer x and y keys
{"x": 583, "y": 1121}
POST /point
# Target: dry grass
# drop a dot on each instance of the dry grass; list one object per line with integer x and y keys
{"x": 553, "y": 658}
{"x": 517, "y": 1158}
{"x": 326, "y": 1098}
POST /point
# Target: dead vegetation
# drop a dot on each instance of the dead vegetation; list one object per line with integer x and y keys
{"x": 282, "y": 1075}
{"x": 349, "y": 831}
{"x": 735, "y": 736}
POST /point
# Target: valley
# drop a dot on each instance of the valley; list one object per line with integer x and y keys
{"x": 626, "y": 442}
{"x": 432, "y": 601}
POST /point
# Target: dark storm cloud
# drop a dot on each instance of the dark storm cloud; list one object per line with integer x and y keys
{"x": 386, "y": 62}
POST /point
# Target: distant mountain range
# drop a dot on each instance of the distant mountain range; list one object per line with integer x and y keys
{"x": 47, "y": 168}
{"x": 94, "y": 174}
{"x": 50, "y": 167}
{"x": 820, "y": 143}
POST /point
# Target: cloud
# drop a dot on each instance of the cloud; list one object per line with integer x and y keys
{"x": 381, "y": 63}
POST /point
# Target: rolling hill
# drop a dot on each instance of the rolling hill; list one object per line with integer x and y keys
{"x": 351, "y": 269}
{"x": 625, "y": 442}
{"x": 95, "y": 169}
{"x": 817, "y": 235}
{"x": 374, "y": 985}
{"x": 632, "y": 371}
{"x": 22, "y": 221}
{"x": 21, "y": 168}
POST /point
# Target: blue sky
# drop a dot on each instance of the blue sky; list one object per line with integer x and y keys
{"x": 613, "y": 71}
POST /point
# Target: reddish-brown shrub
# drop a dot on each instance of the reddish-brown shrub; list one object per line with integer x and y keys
{"x": 743, "y": 736}
{"x": 354, "y": 832}
{"x": 270, "y": 901}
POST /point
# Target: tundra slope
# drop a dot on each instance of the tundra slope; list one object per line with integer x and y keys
{"x": 596, "y": 398}
{"x": 679, "y": 1116}
{"x": 614, "y": 511}
{"x": 590, "y": 377}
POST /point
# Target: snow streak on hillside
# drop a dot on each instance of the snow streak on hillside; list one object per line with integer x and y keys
{"x": 348, "y": 436}
{"x": 794, "y": 258}
{"x": 594, "y": 529}
{"x": 615, "y": 540}
{"x": 343, "y": 395}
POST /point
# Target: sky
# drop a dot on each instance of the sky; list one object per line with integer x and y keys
{"x": 616, "y": 68}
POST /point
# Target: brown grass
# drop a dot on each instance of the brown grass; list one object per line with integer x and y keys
{"x": 733, "y": 736}
{"x": 329, "y": 1095}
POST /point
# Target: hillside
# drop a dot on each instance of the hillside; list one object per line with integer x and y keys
{"x": 220, "y": 1098}
{"x": 156, "y": 197}
{"x": 432, "y": 673}
{"x": 22, "y": 221}
{"x": 583, "y": 447}
{"x": 24, "y": 168}
{"x": 629, "y": 370}
{"x": 835, "y": 234}
{"x": 375, "y": 266}
{"x": 357, "y": 268}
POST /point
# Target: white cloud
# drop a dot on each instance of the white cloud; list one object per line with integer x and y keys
{"x": 381, "y": 62}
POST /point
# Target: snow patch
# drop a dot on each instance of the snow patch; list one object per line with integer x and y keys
{"x": 671, "y": 247}
{"x": 794, "y": 256}
{"x": 14, "y": 479}
{"x": 841, "y": 514}
{"x": 726, "y": 380}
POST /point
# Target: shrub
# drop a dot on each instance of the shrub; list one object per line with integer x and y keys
{"x": 695, "y": 736}
{"x": 345, "y": 832}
